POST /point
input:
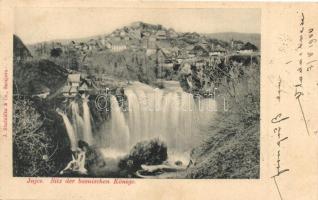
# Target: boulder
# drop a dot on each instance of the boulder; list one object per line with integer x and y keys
{"x": 152, "y": 152}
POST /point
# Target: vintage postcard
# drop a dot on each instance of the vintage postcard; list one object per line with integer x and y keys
{"x": 158, "y": 100}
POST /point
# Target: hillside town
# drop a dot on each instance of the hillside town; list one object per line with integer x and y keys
{"x": 170, "y": 47}
{"x": 166, "y": 50}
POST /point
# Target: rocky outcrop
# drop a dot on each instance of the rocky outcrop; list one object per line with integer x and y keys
{"x": 20, "y": 52}
{"x": 31, "y": 77}
{"x": 152, "y": 152}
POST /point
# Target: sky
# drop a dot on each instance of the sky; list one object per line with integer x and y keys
{"x": 43, "y": 24}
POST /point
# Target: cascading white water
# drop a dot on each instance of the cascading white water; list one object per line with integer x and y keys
{"x": 134, "y": 116}
{"x": 87, "y": 132}
{"x": 119, "y": 130}
{"x": 78, "y": 122}
{"x": 70, "y": 131}
{"x": 169, "y": 114}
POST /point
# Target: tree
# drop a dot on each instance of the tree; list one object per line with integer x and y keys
{"x": 56, "y": 52}
{"x": 73, "y": 57}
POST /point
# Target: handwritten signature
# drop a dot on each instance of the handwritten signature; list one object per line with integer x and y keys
{"x": 277, "y": 120}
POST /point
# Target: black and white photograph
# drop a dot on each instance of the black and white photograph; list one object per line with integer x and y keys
{"x": 136, "y": 93}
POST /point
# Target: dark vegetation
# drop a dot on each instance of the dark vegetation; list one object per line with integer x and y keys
{"x": 21, "y": 52}
{"x": 40, "y": 142}
{"x": 151, "y": 152}
{"x": 56, "y": 52}
{"x": 128, "y": 65}
{"x": 38, "y": 76}
{"x": 231, "y": 150}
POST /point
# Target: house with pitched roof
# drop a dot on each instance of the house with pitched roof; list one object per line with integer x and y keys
{"x": 217, "y": 51}
{"x": 248, "y": 48}
{"x": 161, "y": 35}
{"x": 73, "y": 83}
{"x": 118, "y": 46}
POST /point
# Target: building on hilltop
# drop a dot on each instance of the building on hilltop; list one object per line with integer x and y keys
{"x": 161, "y": 35}
{"x": 145, "y": 34}
{"x": 135, "y": 34}
{"x": 236, "y": 45}
{"x": 118, "y": 46}
{"x": 122, "y": 33}
{"x": 248, "y": 48}
{"x": 217, "y": 51}
{"x": 172, "y": 34}
{"x": 204, "y": 43}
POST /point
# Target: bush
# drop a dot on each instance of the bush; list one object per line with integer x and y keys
{"x": 151, "y": 152}
{"x": 40, "y": 142}
{"x": 32, "y": 148}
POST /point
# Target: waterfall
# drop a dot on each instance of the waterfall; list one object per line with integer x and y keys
{"x": 78, "y": 122}
{"x": 87, "y": 132}
{"x": 169, "y": 114}
{"x": 119, "y": 129}
{"x": 70, "y": 131}
{"x": 134, "y": 116}
{"x": 81, "y": 127}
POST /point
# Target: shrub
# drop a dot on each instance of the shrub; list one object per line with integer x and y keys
{"x": 32, "y": 148}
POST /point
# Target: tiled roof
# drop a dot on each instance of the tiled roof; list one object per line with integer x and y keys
{"x": 83, "y": 87}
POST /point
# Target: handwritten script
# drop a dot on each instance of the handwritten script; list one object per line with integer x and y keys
{"x": 305, "y": 51}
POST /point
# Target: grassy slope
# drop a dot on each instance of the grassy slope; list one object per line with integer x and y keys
{"x": 231, "y": 151}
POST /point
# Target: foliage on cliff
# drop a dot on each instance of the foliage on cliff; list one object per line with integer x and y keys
{"x": 39, "y": 143}
{"x": 128, "y": 65}
{"x": 231, "y": 150}
{"x": 37, "y": 76}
